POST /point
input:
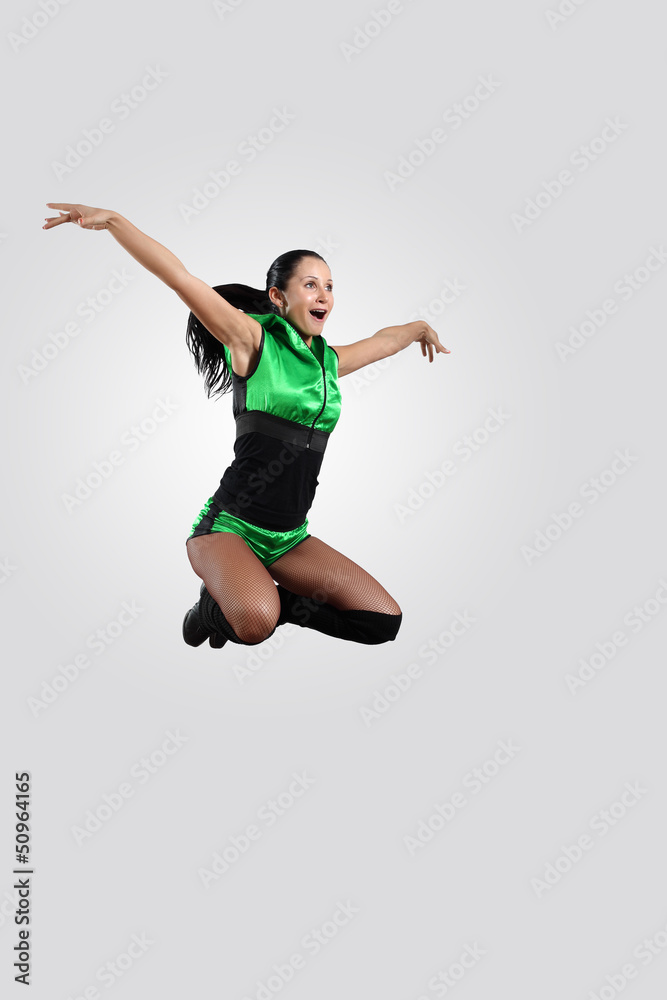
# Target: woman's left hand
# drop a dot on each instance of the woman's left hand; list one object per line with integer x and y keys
{"x": 428, "y": 339}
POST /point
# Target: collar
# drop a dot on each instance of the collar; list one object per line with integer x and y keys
{"x": 298, "y": 339}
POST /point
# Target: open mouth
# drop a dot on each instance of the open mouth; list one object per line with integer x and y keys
{"x": 318, "y": 314}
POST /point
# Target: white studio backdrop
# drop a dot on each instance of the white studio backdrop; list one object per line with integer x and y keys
{"x": 480, "y": 805}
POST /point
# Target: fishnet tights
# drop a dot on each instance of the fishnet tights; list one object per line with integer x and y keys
{"x": 318, "y": 588}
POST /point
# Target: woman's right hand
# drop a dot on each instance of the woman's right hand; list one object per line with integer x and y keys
{"x": 82, "y": 215}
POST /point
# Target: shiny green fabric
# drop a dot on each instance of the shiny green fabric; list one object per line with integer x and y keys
{"x": 267, "y": 545}
{"x": 288, "y": 379}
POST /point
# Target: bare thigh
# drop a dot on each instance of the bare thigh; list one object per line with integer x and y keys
{"x": 315, "y": 569}
{"x": 238, "y": 582}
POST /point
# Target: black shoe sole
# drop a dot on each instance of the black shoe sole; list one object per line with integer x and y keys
{"x": 217, "y": 641}
{"x": 194, "y": 634}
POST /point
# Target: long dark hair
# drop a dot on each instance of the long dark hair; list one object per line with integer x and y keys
{"x": 207, "y": 350}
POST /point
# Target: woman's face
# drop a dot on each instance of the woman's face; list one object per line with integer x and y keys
{"x": 309, "y": 295}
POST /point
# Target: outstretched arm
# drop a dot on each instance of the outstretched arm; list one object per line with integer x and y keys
{"x": 390, "y": 340}
{"x": 227, "y": 324}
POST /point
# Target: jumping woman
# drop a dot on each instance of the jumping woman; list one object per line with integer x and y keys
{"x": 252, "y": 534}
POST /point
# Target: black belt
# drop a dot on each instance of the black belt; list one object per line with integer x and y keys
{"x": 285, "y": 430}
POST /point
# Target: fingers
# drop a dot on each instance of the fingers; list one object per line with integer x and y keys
{"x": 71, "y": 210}
{"x": 430, "y": 337}
{"x": 438, "y": 346}
{"x": 427, "y": 345}
{"x": 51, "y": 222}
{"x": 94, "y": 218}
{"x": 68, "y": 214}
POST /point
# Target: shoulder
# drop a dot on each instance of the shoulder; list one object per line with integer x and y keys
{"x": 271, "y": 323}
{"x": 268, "y": 320}
{"x": 279, "y": 330}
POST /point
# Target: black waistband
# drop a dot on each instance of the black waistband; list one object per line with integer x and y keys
{"x": 277, "y": 427}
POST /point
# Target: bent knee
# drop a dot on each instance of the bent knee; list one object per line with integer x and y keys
{"x": 386, "y": 606}
{"x": 255, "y": 625}
{"x": 392, "y": 607}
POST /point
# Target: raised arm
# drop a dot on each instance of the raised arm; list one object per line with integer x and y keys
{"x": 389, "y": 340}
{"x": 229, "y": 325}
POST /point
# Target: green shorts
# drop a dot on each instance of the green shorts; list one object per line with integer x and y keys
{"x": 267, "y": 545}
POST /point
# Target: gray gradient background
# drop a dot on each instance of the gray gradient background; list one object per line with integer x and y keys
{"x": 321, "y": 182}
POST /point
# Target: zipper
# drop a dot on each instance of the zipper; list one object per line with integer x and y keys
{"x": 312, "y": 427}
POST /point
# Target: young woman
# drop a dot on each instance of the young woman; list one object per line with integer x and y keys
{"x": 267, "y": 346}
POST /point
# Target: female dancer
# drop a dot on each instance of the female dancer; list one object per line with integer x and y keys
{"x": 267, "y": 346}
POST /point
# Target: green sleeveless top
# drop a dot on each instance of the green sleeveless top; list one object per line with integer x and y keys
{"x": 285, "y": 409}
{"x": 290, "y": 380}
